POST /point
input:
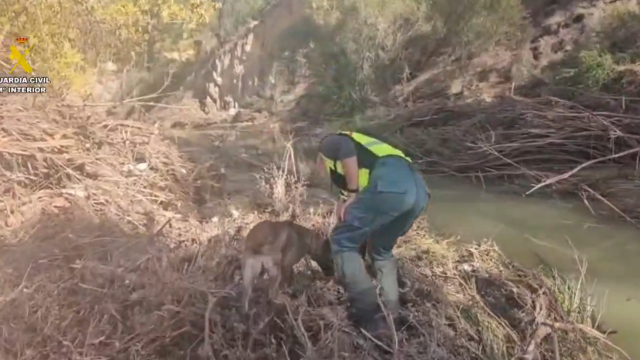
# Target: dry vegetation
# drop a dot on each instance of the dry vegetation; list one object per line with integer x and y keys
{"x": 376, "y": 46}
{"x": 89, "y": 270}
{"x": 103, "y": 256}
{"x": 570, "y": 128}
{"x": 578, "y": 136}
{"x": 66, "y": 35}
{"x": 569, "y": 147}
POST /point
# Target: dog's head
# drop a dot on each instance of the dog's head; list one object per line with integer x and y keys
{"x": 321, "y": 254}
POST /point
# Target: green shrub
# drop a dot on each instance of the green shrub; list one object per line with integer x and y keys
{"x": 378, "y": 40}
{"x": 235, "y": 14}
{"x": 71, "y": 38}
{"x": 602, "y": 63}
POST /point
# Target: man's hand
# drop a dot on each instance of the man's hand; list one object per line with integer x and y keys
{"x": 341, "y": 207}
{"x": 320, "y": 167}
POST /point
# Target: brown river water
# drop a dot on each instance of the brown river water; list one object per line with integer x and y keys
{"x": 528, "y": 229}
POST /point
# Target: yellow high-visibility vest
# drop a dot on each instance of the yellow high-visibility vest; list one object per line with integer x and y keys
{"x": 368, "y": 151}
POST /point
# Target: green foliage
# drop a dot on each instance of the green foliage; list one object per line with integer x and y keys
{"x": 601, "y": 65}
{"x": 619, "y": 32}
{"x": 238, "y": 13}
{"x": 374, "y": 36}
{"x": 71, "y": 37}
{"x": 137, "y": 23}
{"x": 594, "y": 68}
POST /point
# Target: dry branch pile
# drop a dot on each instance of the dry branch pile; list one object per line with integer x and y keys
{"x": 82, "y": 279}
{"x": 76, "y": 288}
{"x": 62, "y": 154}
{"x": 536, "y": 143}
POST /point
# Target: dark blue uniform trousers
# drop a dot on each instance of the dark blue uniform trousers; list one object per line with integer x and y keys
{"x": 381, "y": 213}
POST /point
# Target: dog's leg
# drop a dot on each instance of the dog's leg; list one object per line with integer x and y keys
{"x": 275, "y": 276}
{"x": 287, "y": 276}
{"x": 251, "y": 268}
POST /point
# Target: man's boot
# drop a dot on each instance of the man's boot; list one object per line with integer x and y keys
{"x": 403, "y": 284}
{"x": 387, "y": 277}
{"x": 367, "y": 314}
{"x": 364, "y": 309}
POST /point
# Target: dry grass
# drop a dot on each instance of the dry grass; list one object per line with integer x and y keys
{"x": 80, "y": 289}
{"x": 61, "y": 154}
{"x": 87, "y": 281}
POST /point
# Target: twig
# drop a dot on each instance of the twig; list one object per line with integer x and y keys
{"x": 385, "y": 347}
{"x": 161, "y": 228}
{"x": 578, "y": 168}
{"x": 588, "y": 330}
{"x": 391, "y": 324}
{"x": 360, "y": 341}
{"x": 285, "y": 351}
{"x": 299, "y": 329}
{"x": 556, "y": 348}
{"x": 608, "y": 203}
{"x": 542, "y": 243}
{"x": 207, "y": 341}
{"x": 17, "y": 291}
{"x": 541, "y": 332}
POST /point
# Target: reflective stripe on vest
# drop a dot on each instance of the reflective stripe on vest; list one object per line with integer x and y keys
{"x": 377, "y": 147}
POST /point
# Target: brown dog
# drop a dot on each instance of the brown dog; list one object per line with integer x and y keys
{"x": 277, "y": 246}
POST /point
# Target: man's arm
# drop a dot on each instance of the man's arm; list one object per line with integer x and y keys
{"x": 341, "y": 148}
{"x": 320, "y": 165}
{"x": 351, "y": 173}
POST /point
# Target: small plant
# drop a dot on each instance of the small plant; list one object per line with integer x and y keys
{"x": 283, "y": 185}
{"x": 596, "y": 67}
{"x": 601, "y": 66}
